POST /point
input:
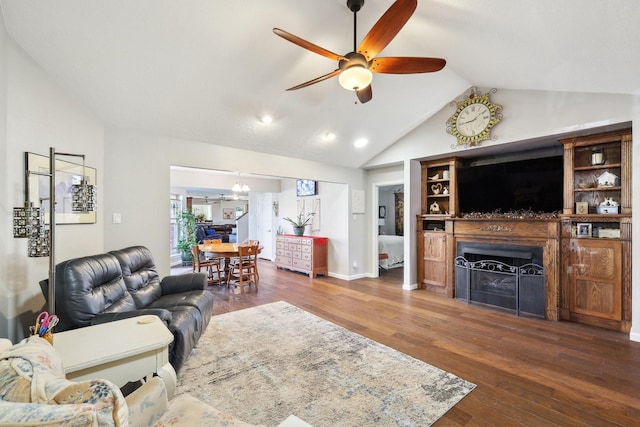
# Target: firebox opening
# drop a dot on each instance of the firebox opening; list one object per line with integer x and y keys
{"x": 506, "y": 276}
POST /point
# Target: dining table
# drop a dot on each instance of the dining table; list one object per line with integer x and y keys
{"x": 226, "y": 251}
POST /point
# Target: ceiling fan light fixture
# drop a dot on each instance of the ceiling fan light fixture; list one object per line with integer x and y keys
{"x": 355, "y": 78}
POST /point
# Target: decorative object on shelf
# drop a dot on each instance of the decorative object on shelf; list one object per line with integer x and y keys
{"x": 608, "y": 179}
{"x": 31, "y": 221}
{"x": 608, "y": 206}
{"x": 436, "y": 188}
{"x": 586, "y": 184}
{"x": 434, "y": 208}
{"x": 582, "y": 208}
{"x": 597, "y": 157}
{"x": 583, "y": 229}
{"x": 445, "y": 174}
{"x": 445, "y": 190}
{"x": 301, "y": 221}
{"x": 434, "y": 177}
{"x": 609, "y": 233}
{"x": 474, "y": 118}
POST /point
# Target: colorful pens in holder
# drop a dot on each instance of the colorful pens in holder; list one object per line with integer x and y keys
{"x": 45, "y": 323}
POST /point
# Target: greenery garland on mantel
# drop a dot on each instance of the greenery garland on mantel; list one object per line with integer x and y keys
{"x": 518, "y": 214}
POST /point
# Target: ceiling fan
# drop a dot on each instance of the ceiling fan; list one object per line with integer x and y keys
{"x": 355, "y": 68}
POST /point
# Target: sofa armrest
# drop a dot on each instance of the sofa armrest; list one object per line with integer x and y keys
{"x": 163, "y": 314}
{"x": 106, "y": 399}
{"x": 42, "y": 414}
{"x": 147, "y": 403}
{"x": 184, "y": 283}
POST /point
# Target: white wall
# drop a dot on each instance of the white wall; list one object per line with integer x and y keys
{"x": 39, "y": 114}
{"x": 528, "y": 115}
{"x": 334, "y": 221}
{"x": 137, "y": 166}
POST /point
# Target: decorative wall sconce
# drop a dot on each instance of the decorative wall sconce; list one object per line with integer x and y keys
{"x": 29, "y": 221}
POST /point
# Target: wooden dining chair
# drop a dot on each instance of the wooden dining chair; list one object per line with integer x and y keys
{"x": 234, "y": 261}
{"x": 200, "y": 262}
{"x": 245, "y": 271}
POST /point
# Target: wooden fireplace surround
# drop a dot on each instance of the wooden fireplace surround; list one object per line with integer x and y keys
{"x": 544, "y": 233}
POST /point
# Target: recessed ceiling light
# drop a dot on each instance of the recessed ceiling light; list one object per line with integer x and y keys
{"x": 359, "y": 143}
{"x": 329, "y": 136}
{"x": 266, "y": 118}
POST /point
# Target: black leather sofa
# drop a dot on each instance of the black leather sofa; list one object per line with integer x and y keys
{"x": 125, "y": 283}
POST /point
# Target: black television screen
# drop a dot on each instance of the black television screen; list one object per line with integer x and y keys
{"x": 534, "y": 184}
{"x": 306, "y": 187}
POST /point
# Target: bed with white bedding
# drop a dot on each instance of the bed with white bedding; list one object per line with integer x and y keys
{"x": 393, "y": 246}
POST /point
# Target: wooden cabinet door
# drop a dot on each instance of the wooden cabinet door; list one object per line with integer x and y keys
{"x": 434, "y": 259}
{"x": 596, "y": 278}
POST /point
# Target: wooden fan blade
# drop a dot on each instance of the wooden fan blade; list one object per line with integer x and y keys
{"x": 308, "y": 45}
{"x": 406, "y": 65}
{"x": 387, "y": 28}
{"x": 365, "y": 95}
{"x": 316, "y": 80}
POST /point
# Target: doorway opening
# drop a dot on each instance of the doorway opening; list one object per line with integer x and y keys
{"x": 390, "y": 232}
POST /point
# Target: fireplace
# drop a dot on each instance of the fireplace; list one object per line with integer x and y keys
{"x": 501, "y": 275}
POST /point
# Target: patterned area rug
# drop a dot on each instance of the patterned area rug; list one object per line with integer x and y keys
{"x": 263, "y": 363}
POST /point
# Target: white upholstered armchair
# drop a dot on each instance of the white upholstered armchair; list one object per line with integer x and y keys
{"x": 34, "y": 391}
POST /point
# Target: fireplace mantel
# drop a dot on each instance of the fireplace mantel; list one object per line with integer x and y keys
{"x": 544, "y": 233}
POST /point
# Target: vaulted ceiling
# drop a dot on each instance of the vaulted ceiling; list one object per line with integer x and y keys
{"x": 208, "y": 70}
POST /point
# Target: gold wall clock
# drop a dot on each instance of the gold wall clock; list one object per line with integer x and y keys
{"x": 474, "y": 117}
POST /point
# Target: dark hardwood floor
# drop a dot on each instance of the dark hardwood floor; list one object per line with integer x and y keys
{"x": 529, "y": 372}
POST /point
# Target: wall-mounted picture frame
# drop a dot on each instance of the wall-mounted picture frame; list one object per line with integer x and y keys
{"x": 583, "y": 229}
{"x": 66, "y": 175}
{"x": 315, "y": 221}
{"x": 227, "y": 213}
{"x": 382, "y": 211}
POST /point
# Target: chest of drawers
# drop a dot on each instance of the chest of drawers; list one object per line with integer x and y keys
{"x": 306, "y": 254}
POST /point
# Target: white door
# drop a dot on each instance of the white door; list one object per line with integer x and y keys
{"x": 265, "y": 225}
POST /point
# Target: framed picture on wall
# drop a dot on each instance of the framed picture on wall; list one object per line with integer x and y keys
{"x": 382, "y": 211}
{"x": 66, "y": 175}
{"x": 227, "y": 213}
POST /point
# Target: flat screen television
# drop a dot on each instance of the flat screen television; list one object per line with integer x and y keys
{"x": 534, "y": 184}
{"x": 306, "y": 187}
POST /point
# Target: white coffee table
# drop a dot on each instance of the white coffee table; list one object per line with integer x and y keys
{"x": 122, "y": 351}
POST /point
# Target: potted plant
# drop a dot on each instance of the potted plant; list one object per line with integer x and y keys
{"x": 301, "y": 221}
{"x": 187, "y": 231}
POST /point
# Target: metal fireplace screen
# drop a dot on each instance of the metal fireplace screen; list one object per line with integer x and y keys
{"x": 518, "y": 288}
